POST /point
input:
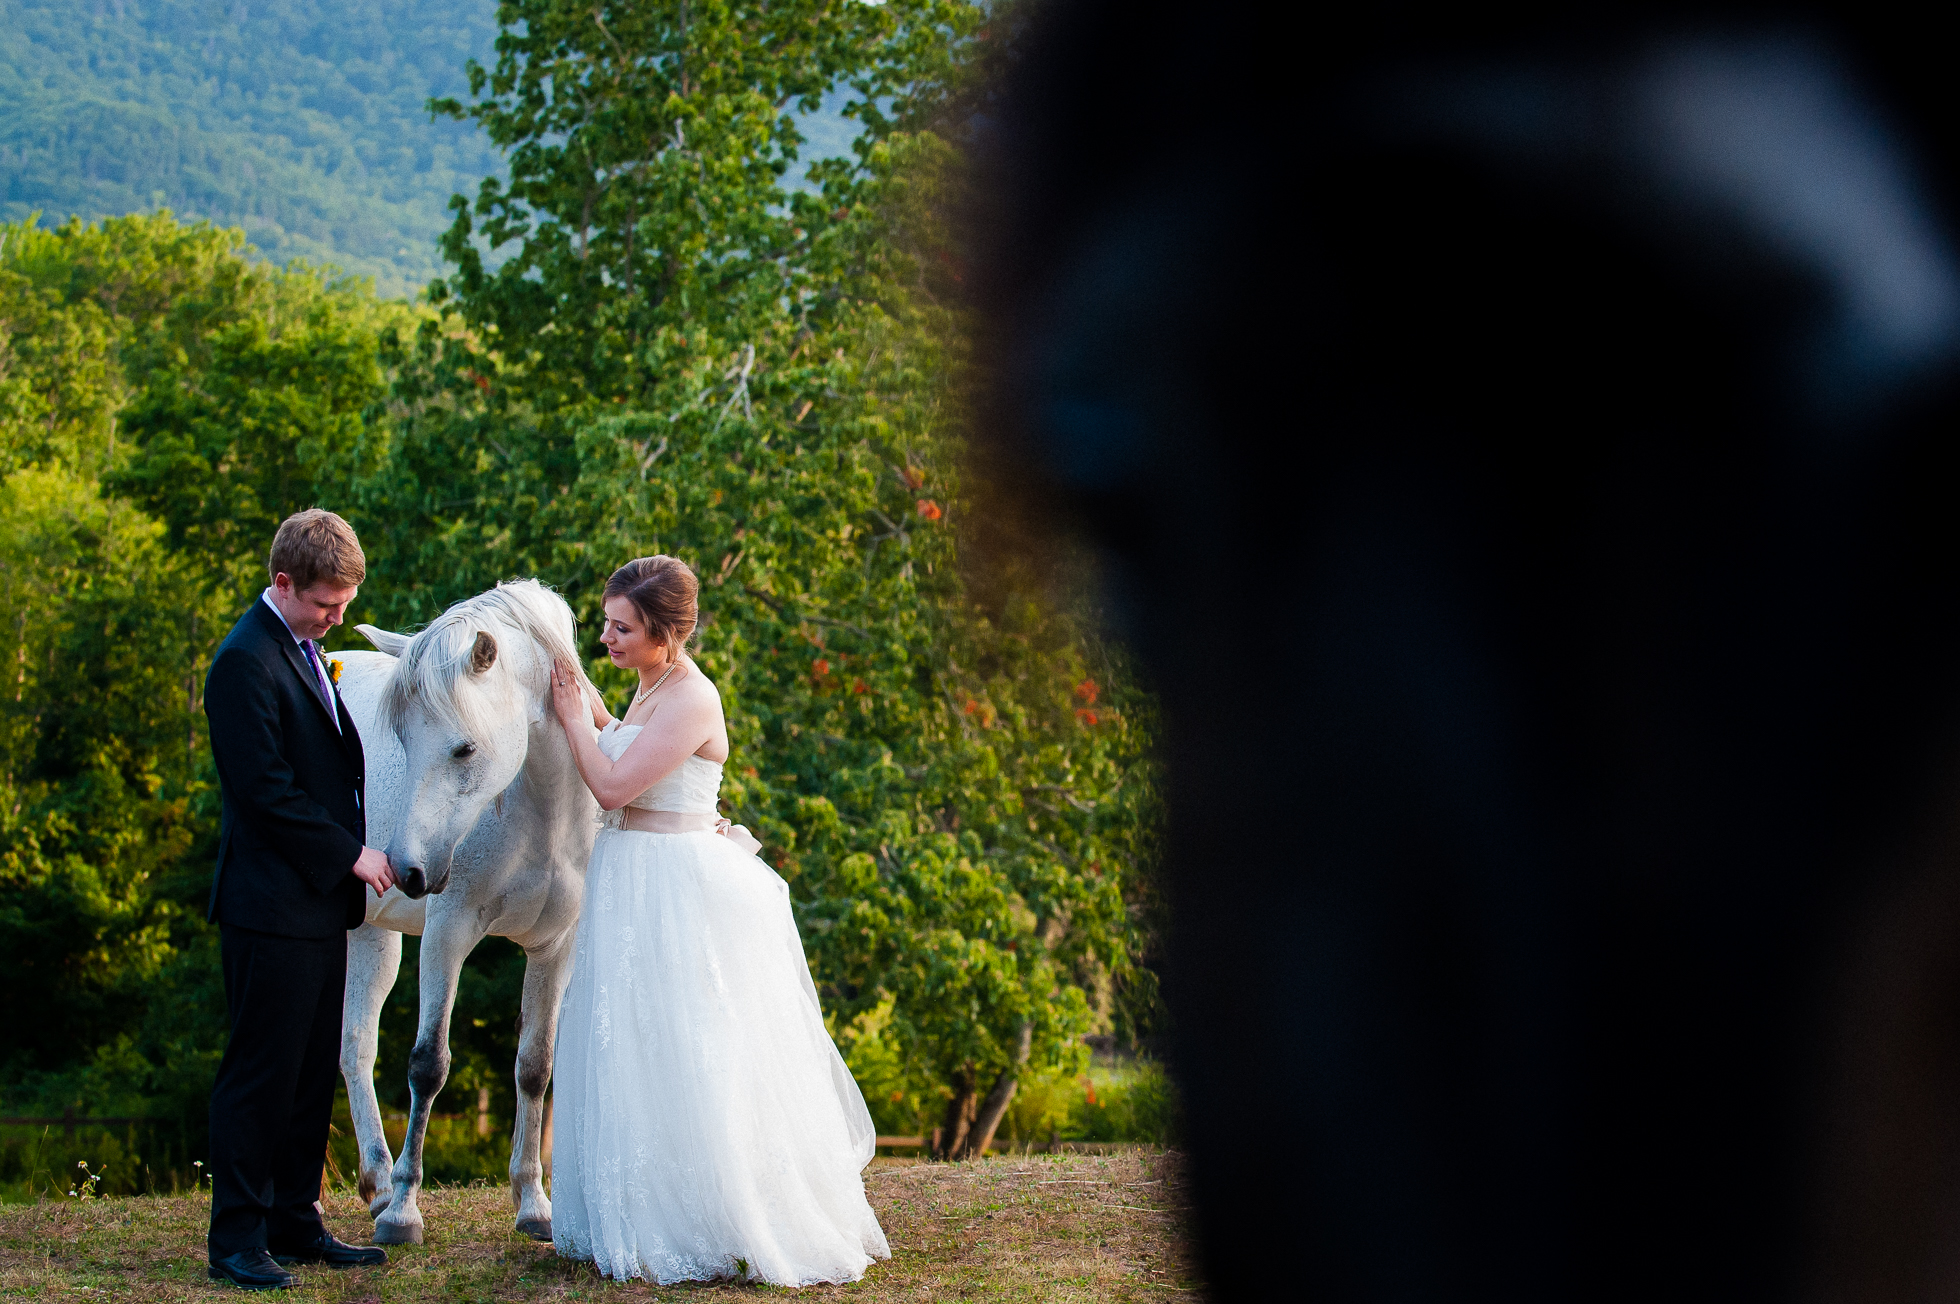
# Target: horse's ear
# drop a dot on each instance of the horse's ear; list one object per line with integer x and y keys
{"x": 392, "y": 644}
{"x": 484, "y": 654}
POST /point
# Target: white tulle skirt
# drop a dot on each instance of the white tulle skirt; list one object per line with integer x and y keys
{"x": 703, "y": 1118}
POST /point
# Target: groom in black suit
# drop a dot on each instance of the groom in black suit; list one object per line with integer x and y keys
{"x": 291, "y": 877}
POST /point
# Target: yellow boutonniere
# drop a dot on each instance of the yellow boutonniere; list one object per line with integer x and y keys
{"x": 333, "y": 670}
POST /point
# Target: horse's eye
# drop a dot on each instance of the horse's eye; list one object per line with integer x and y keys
{"x": 464, "y": 750}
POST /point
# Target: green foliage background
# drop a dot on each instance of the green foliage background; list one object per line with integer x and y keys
{"x": 668, "y": 348}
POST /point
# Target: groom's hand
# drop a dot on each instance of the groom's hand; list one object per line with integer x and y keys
{"x": 374, "y": 870}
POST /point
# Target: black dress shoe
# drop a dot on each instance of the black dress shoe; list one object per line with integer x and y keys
{"x": 252, "y": 1269}
{"x": 333, "y": 1252}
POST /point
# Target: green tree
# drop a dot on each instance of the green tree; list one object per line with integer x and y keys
{"x": 255, "y": 397}
{"x": 99, "y": 799}
{"x": 677, "y": 355}
{"x": 163, "y": 400}
{"x": 58, "y": 382}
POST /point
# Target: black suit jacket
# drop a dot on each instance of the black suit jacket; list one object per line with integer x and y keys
{"x": 292, "y": 785}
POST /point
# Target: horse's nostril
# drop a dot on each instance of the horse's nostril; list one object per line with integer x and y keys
{"x": 413, "y": 883}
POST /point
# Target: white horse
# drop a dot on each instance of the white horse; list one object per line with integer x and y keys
{"x": 473, "y": 794}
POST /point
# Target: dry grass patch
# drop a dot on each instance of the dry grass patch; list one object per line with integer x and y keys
{"x": 1089, "y": 1228}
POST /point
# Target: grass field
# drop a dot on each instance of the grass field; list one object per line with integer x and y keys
{"x": 1039, "y": 1227}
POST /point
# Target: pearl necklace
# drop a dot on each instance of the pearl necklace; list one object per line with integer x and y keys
{"x": 643, "y": 696}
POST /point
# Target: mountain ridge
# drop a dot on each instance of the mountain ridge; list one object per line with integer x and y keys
{"x": 304, "y": 124}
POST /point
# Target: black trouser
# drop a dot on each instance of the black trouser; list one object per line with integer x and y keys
{"x": 272, "y": 1103}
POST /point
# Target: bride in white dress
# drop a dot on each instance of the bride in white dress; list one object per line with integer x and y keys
{"x": 706, "y": 1125}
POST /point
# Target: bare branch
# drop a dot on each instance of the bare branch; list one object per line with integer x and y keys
{"x": 739, "y": 373}
{"x": 647, "y": 459}
{"x": 1060, "y": 791}
{"x": 782, "y": 608}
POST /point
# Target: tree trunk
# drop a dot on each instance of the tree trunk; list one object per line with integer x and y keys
{"x": 953, "y": 1133}
{"x": 994, "y": 1108}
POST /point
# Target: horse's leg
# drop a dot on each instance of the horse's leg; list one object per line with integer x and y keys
{"x": 446, "y": 943}
{"x": 546, "y": 971}
{"x": 374, "y": 958}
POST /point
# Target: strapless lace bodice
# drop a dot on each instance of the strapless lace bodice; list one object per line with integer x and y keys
{"x": 692, "y": 789}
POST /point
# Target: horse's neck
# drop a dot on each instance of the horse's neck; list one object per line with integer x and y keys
{"x": 548, "y": 788}
{"x": 550, "y": 775}
{"x": 549, "y": 771}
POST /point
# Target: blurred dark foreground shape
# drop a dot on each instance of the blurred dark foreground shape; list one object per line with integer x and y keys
{"x": 1524, "y": 450}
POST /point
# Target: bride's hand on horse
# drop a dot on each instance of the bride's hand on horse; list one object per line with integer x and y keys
{"x": 568, "y": 696}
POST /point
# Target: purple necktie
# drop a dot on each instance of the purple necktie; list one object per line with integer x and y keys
{"x": 326, "y": 685}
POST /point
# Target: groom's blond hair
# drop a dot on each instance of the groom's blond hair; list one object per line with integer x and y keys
{"x": 315, "y": 546}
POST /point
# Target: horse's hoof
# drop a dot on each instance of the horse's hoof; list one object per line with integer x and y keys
{"x": 387, "y": 1233}
{"x": 538, "y": 1229}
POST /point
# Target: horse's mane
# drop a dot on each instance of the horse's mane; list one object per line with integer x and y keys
{"x": 436, "y": 663}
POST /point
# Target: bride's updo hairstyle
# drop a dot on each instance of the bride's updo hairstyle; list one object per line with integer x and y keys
{"x": 663, "y": 590}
